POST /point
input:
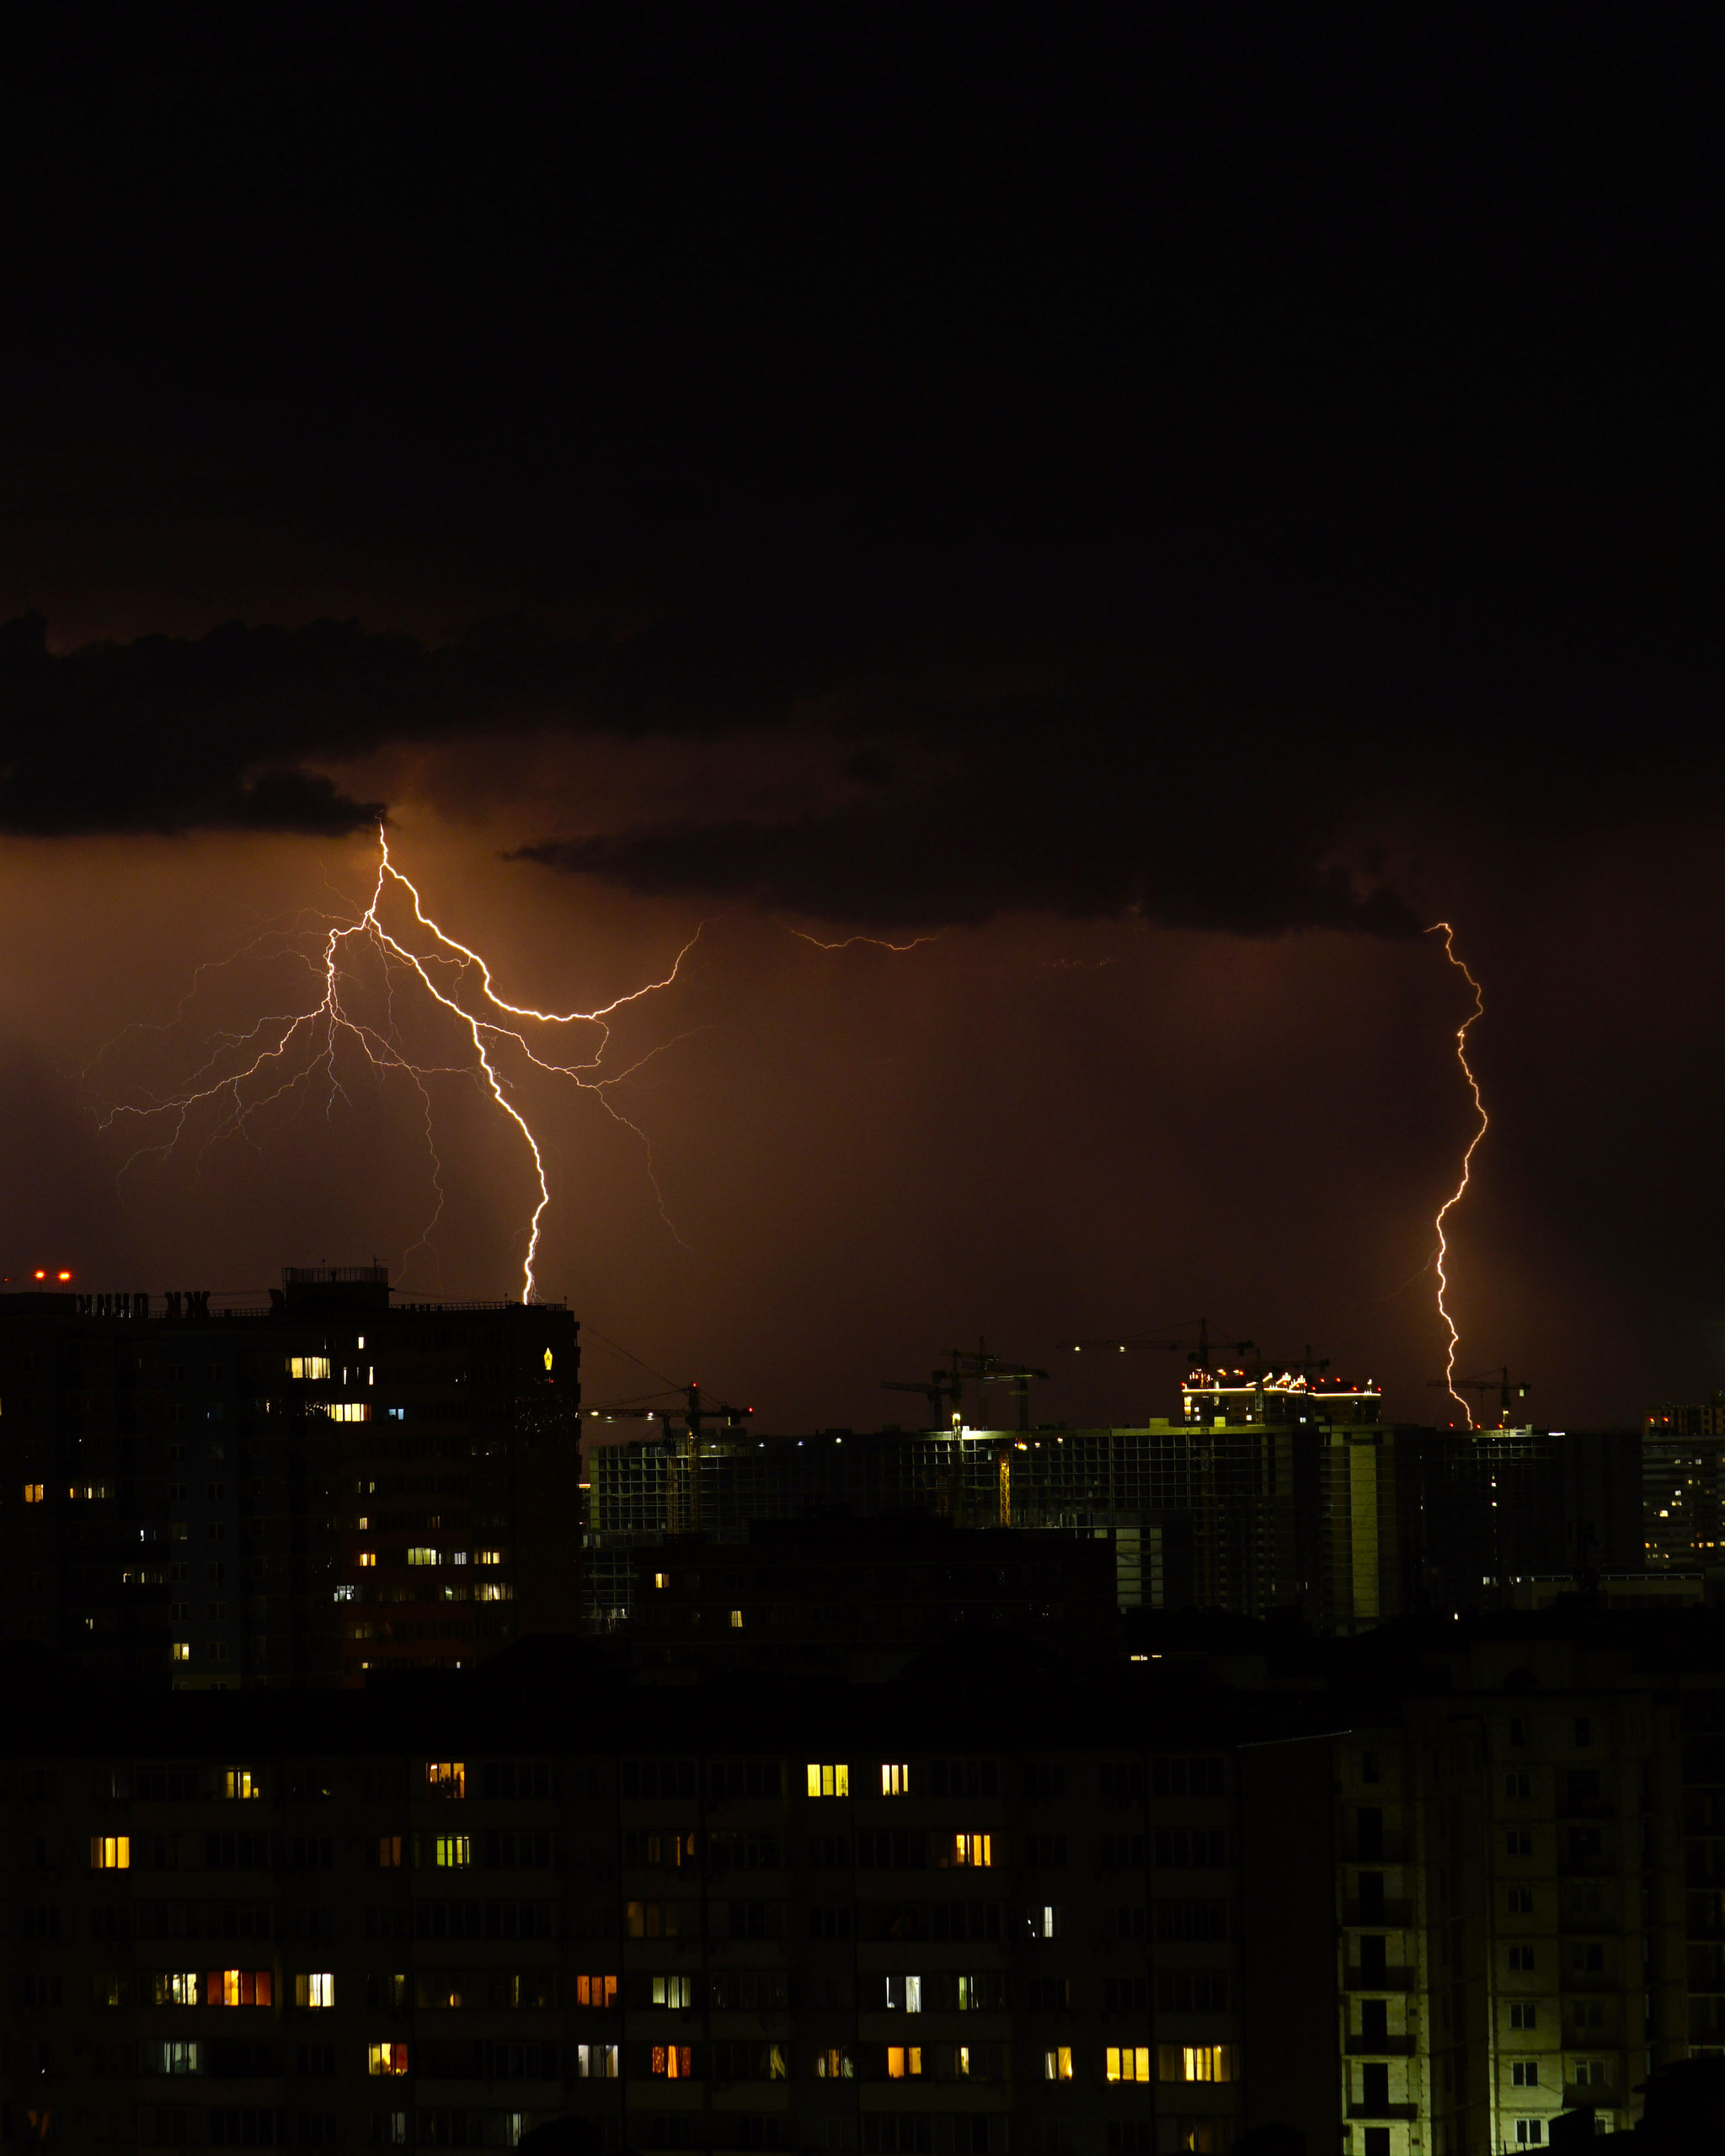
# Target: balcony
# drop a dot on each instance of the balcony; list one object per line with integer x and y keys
{"x": 1393, "y": 1977}
{"x": 1383, "y": 2111}
{"x": 1381, "y": 2046}
{"x": 1383, "y": 1916}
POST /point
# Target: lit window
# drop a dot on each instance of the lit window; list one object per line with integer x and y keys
{"x": 445, "y": 1778}
{"x": 913, "y": 1995}
{"x": 314, "y": 1990}
{"x": 237, "y": 1987}
{"x": 348, "y": 1410}
{"x": 829, "y": 1781}
{"x": 242, "y": 1782}
{"x": 487, "y": 1557}
{"x": 1194, "y": 2063}
{"x": 182, "y": 1650}
{"x": 386, "y": 2058}
{"x": 308, "y": 1366}
{"x": 903, "y": 2060}
{"x": 1127, "y": 2064}
{"x": 449, "y": 1852}
{"x": 1057, "y": 2063}
{"x": 418, "y": 1555}
{"x": 894, "y": 1781}
{"x": 359, "y": 1345}
{"x": 835, "y": 2064}
{"x": 668, "y": 1991}
{"x": 601, "y": 1991}
{"x": 1045, "y": 1923}
{"x": 365, "y": 1559}
{"x": 32, "y": 1493}
{"x": 676, "y": 2061}
{"x": 174, "y": 1988}
{"x": 389, "y": 1852}
{"x": 494, "y": 1591}
{"x": 596, "y": 2062}
{"x": 659, "y": 1579}
{"x": 736, "y": 1620}
{"x": 173, "y": 2057}
{"x": 110, "y": 1852}
{"x": 547, "y": 1359}
{"x": 973, "y": 1850}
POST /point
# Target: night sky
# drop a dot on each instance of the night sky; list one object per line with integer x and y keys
{"x": 1164, "y": 503}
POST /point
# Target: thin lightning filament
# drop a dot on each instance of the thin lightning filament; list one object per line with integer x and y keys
{"x": 1442, "y": 928}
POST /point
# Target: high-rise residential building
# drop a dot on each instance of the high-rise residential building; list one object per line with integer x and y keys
{"x": 1421, "y": 1892}
{"x": 285, "y": 1494}
{"x": 1683, "y": 1485}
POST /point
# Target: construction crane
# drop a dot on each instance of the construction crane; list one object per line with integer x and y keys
{"x": 1175, "y": 1339}
{"x": 981, "y": 1366}
{"x": 1510, "y": 1390}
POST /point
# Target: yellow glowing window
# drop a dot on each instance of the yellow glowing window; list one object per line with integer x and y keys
{"x": 829, "y": 1781}
{"x": 1127, "y": 2064}
{"x": 598, "y": 2060}
{"x": 902, "y": 2060}
{"x": 676, "y": 2061}
{"x": 182, "y": 1650}
{"x": 1196, "y": 2063}
{"x": 736, "y": 1620}
{"x": 420, "y": 1556}
{"x": 242, "y": 1782}
{"x": 600, "y": 1991}
{"x": 894, "y": 1781}
{"x": 386, "y": 2058}
{"x": 308, "y": 1366}
{"x": 451, "y": 1852}
{"x": 110, "y": 1852}
{"x": 976, "y": 1850}
{"x": 547, "y": 1359}
{"x": 310, "y": 1990}
{"x": 494, "y": 1591}
{"x": 487, "y": 1557}
{"x": 659, "y": 1579}
{"x": 349, "y": 1411}
{"x": 32, "y": 1493}
{"x": 1057, "y": 2063}
{"x": 366, "y": 1559}
{"x": 445, "y": 1778}
{"x": 173, "y": 1988}
{"x": 670, "y": 1991}
{"x": 835, "y": 2064}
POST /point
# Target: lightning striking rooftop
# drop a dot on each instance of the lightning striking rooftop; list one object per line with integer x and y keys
{"x": 1442, "y": 928}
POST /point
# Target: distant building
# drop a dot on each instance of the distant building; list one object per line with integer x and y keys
{"x": 1683, "y": 1501}
{"x": 286, "y": 1496}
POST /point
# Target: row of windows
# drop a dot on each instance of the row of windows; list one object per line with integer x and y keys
{"x": 1169, "y": 1775}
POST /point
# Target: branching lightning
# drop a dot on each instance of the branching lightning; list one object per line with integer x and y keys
{"x": 287, "y": 1051}
{"x": 1442, "y": 928}
{"x": 879, "y": 942}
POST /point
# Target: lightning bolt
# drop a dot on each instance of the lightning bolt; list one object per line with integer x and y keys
{"x": 285, "y": 1052}
{"x": 1443, "y": 928}
{"x": 879, "y": 942}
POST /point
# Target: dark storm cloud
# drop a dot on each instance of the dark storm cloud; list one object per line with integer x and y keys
{"x": 956, "y": 803}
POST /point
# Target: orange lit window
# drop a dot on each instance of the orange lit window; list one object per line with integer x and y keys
{"x": 676, "y": 2061}
{"x": 1057, "y": 2063}
{"x": 445, "y": 1778}
{"x": 973, "y": 1850}
{"x": 365, "y": 1557}
{"x": 386, "y": 2058}
{"x": 389, "y": 1852}
{"x": 237, "y": 1987}
{"x": 595, "y": 1991}
{"x": 32, "y": 1493}
{"x": 902, "y": 2060}
{"x": 110, "y": 1852}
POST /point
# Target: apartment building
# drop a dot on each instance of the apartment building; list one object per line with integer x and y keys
{"x": 286, "y": 1492}
{"x": 1419, "y": 1892}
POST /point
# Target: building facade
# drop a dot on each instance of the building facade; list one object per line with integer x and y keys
{"x": 285, "y": 1496}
